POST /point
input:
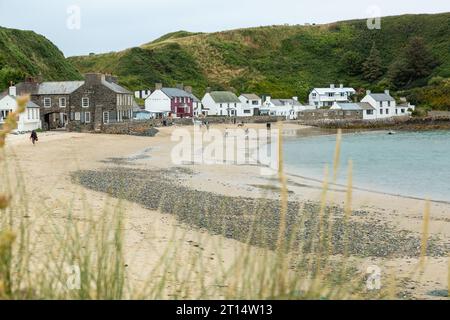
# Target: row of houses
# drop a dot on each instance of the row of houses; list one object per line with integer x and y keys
{"x": 180, "y": 102}
{"x": 99, "y": 100}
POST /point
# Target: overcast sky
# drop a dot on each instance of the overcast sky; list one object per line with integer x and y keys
{"x": 110, "y": 25}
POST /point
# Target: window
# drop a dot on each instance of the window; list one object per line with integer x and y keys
{"x": 331, "y": 94}
{"x": 342, "y": 94}
{"x": 403, "y": 110}
{"x": 77, "y": 116}
{"x": 387, "y": 111}
{"x": 381, "y": 111}
{"x": 369, "y": 112}
{"x": 389, "y": 103}
{"x": 247, "y": 111}
{"x": 85, "y": 102}
{"x": 255, "y": 102}
{"x": 47, "y": 102}
{"x": 62, "y": 102}
{"x": 87, "y": 117}
{"x": 314, "y": 95}
{"x": 106, "y": 117}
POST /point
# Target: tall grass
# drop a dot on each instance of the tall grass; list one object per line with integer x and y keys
{"x": 84, "y": 258}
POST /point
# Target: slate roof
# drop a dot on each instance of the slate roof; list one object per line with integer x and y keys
{"x": 283, "y": 102}
{"x": 30, "y": 103}
{"x": 224, "y": 97}
{"x": 381, "y": 97}
{"x": 115, "y": 87}
{"x": 349, "y": 106}
{"x": 176, "y": 93}
{"x": 62, "y": 87}
{"x": 250, "y": 96}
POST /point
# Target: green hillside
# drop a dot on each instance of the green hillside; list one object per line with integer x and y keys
{"x": 409, "y": 51}
{"x": 27, "y": 53}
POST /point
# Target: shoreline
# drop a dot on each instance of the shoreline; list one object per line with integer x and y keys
{"x": 390, "y": 216}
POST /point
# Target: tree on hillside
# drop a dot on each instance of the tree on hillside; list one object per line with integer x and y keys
{"x": 373, "y": 66}
{"x": 351, "y": 62}
{"x": 8, "y": 74}
{"x": 415, "y": 62}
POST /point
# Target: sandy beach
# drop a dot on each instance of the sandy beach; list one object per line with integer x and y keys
{"x": 51, "y": 169}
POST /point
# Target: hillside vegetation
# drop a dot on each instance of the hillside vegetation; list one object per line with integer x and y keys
{"x": 27, "y": 53}
{"x": 290, "y": 60}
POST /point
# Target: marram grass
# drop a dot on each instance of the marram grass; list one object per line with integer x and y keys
{"x": 84, "y": 258}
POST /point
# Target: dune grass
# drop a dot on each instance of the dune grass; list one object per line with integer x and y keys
{"x": 84, "y": 257}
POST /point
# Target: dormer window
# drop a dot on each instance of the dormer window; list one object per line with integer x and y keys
{"x": 62, "y": 102}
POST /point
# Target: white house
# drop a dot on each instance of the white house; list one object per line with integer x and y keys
{"x": 385, "y": 105}
{"x": 222, "y": 103}
{"x": 251, "y": 104}
{"x": 288, "y": 108}
{"x": 28, "y": 120}
{"x": 142, "y": 94}
{"x": 174, "y": 102}
{"x": 368, "y": 112}
{"x": 325, "y": 97}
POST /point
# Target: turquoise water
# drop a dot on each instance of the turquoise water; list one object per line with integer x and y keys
{"x": 415, "y": 164}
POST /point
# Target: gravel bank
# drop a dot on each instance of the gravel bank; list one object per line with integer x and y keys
{"x": 251, "y": 220}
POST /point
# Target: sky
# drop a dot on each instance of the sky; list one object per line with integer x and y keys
{"x": 79, "y": 27}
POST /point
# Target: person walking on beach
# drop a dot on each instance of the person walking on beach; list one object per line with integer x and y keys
{"x": 34, "y": 137}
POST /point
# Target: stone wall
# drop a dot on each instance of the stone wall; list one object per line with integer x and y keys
{"x": 330, "y": 114}
{"x": 394, "y": 123}
{"x": 439, "y": 114}
{"x": 142, "y": 126}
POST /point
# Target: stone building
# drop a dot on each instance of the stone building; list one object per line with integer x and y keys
{"x": 83, "y": 105}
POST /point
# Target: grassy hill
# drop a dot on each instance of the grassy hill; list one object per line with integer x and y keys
{"x": 27, "y": 53}
{"x": 280, "y": 60}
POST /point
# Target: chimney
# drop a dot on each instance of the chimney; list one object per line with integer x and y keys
{"x": 268, "y": 99}
{"x": 92, "y": 79}
{"x": 208, "y": 89}
{"x": 188, "y": 89}
{"x": 341, "y": 86}
{"x": 111, "y": 79}
{"x": 332, "y": 86}
{"x": 387, "y": 92}
{"x": 158, "y": 86}
{"x": 368, "y": 92}
{"x": 12, "y": 91}
{"x": 295, "y": 98}
{"x": 180, "y": 86}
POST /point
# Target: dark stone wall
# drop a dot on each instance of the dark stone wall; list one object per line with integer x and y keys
{"x": 327, "y": 114}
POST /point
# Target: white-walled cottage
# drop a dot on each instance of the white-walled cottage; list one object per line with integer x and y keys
{"x": 222, "y": 103}
{"x": 173, "y": 102}
{"x": 250, "y": 105}
{"x": 385, "y": 105}
{"x": 325, "y": 97}
{"x": 28, "y": 120}
{"x": 288, "y": 108}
